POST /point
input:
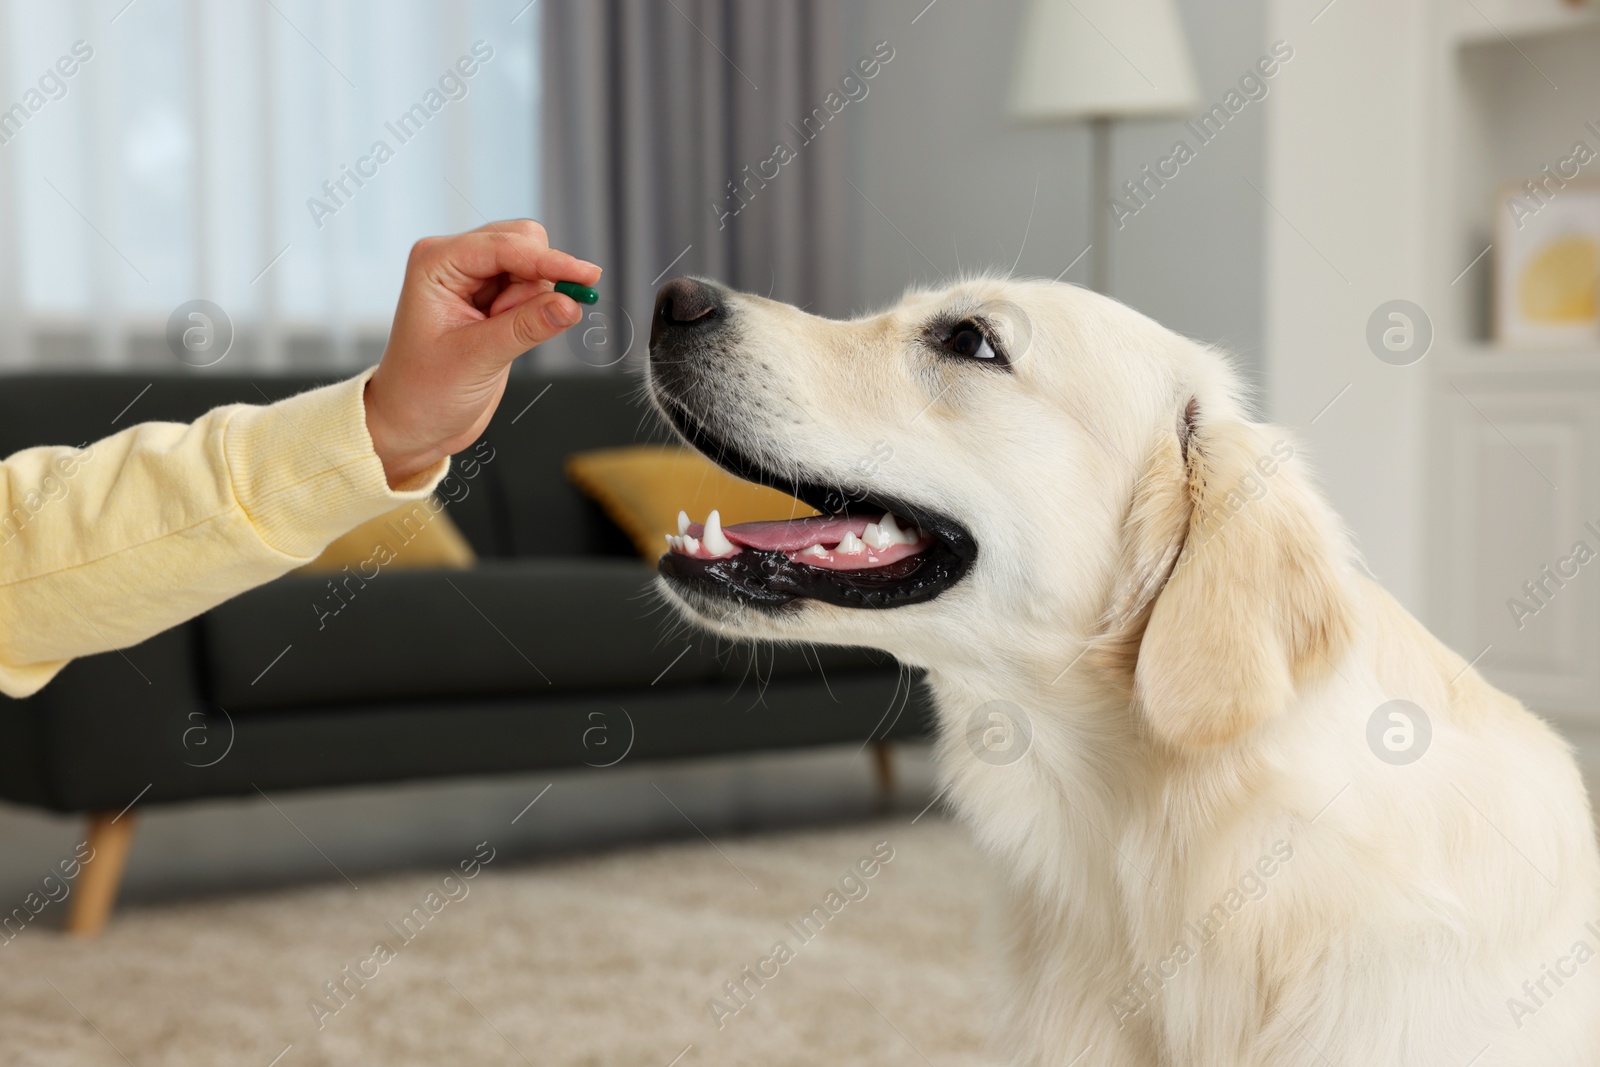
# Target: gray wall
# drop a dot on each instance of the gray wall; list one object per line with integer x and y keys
{"x": 935, "y": 155}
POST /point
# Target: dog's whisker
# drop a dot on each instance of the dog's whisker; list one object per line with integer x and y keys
{"x": 1028, "y": 228}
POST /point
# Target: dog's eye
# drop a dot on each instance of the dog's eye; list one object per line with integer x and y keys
{"x": 968, "y": 341}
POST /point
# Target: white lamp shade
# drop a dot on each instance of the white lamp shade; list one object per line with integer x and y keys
{"x": 1102, "y": 59}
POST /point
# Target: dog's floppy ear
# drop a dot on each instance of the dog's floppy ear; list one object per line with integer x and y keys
{"x": 1253, "y": 604}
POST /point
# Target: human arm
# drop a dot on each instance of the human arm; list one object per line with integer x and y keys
{"x": 103, "y": 547}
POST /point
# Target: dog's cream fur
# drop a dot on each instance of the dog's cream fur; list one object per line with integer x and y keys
{"x": 1179, "y": 617}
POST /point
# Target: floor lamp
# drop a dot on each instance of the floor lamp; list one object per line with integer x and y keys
{"x": 1101, "y": 60}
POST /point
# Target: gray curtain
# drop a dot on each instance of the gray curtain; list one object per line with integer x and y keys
{"x": 693, "y": 128}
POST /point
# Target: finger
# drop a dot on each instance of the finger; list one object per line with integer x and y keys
{"x": 548, "y": 266}
{"x": 490, "y": 291}
{"x": 468, "y": 259}
{"x": 526, "y": 227}
{"x": 515, "y": 294}
{"x": 501, "y": 338}
{"x": 559, "y": 266}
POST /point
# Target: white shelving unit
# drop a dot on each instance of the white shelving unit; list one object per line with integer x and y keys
{"x": 1513, "y": 449}
{"x": 1463, "y": 475}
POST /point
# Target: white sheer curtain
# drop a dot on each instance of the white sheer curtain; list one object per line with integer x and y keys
{"x": 157, "y": 151}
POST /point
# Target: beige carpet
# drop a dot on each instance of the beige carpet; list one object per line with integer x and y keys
{"x": 607, "y": 961}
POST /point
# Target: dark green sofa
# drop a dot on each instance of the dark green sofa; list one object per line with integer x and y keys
{"x": 553, "y": 652}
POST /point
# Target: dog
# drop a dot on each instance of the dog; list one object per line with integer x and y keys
{"x": 1249, "y": 810}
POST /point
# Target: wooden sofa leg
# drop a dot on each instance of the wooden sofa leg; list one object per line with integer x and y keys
{"x": 98, "y": 882}
{"x": 883, "y": 770}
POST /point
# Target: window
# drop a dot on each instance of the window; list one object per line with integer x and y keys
{"x": 276, "y": 157}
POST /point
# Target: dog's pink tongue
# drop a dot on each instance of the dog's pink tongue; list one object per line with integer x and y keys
{"x": 789, "y": 535}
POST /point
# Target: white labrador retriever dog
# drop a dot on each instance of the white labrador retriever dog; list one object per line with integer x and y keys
{"x": 1165, "y": 690}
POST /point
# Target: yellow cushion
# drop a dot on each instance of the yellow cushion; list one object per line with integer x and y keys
{"x": 643, "y": 487}
{"x": 413, "y": 536}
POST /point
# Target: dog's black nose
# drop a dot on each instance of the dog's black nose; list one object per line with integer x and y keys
{"x": 686, "y": 304}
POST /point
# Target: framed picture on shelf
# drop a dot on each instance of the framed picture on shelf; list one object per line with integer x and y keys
{"x": 1547, "y": 264}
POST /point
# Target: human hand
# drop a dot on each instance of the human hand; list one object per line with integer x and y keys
{"x": 470, "y": 304}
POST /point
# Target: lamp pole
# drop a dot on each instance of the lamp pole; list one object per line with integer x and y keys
{"x": 1099, "y": 206}
{"x": 1067, "y": 70}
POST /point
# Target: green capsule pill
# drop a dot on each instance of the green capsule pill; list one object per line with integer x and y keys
{"x": 581, "y": 293}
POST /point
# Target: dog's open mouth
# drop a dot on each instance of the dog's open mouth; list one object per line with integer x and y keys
{"x": 861, "y": 552}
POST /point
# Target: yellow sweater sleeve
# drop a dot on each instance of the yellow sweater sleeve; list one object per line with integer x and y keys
{"x": 104, "y": 546}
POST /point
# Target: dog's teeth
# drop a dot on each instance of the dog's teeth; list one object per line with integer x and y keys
{"x": 815, "y": 550}
{"x": 672, "y": 543}
{"x": 896, "y": 535}
{"x": 880, "y": 537}
{"x": 714, "y": 540}
{"x": 851, "y": 545}
{"x": 688, "y": 545}
{"x": 683, "y": 522}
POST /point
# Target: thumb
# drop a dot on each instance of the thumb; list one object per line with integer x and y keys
{"x": 501, "y": 338}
